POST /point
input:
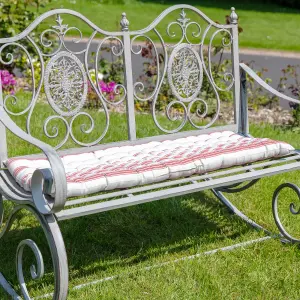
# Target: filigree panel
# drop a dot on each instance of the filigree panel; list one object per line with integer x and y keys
{"x": 185, "y": 72}
{"x": 65, "y": 83}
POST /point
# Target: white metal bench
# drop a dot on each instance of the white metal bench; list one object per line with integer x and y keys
{"x": 224, "y": 159}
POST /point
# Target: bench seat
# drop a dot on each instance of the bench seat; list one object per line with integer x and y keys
{"x": 129, "y": 166}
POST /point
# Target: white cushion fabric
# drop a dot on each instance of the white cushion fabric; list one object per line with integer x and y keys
{"x": 128, "y": 166}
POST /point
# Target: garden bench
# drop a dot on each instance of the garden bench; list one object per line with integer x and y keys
{"x": 222, "y": 158}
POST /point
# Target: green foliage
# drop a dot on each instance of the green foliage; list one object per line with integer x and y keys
{"x": 257, "y": 96}
{"x": 15, "y": 16}
{"x": 291, "y": 72}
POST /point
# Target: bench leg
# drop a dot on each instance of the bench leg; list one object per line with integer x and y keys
{"x": 284, "y": 235}
{"x": 57, "y": 249}
{"x": 220, "y": 195}
{"x": 292, "y": 209}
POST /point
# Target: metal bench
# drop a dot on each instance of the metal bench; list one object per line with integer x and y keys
{"x": 222, "y": 158}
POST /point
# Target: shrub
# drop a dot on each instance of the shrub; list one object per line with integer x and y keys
{"x": 292, "y": 72}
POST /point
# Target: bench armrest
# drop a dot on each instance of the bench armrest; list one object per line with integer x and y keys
{"x": 261, "y": 82}
{"x": 43, "y": 180}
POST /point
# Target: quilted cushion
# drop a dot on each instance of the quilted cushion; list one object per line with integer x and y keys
{"x": 127, "y": 166}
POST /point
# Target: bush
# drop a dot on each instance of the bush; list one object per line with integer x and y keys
{"x": 290, "y": 82}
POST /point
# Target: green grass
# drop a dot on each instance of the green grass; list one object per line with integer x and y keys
{"x": 266, "y": 25}
{"x": 127, "y": 240}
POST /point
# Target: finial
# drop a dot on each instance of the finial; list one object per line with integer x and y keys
{"x": 60, "y": 26}
{"x": 124, "y": 22}
{"x": 233, "y": 16}
{"x": 183, "y": 19}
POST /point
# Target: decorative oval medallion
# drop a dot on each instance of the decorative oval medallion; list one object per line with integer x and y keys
{"x": 65, "y": 83}
{"x": 185, "y": 73}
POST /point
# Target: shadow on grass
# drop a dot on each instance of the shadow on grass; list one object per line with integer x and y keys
{"x": 113, "y": 241}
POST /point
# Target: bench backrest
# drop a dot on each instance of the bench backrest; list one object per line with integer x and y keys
{"x": 66, "y": 80}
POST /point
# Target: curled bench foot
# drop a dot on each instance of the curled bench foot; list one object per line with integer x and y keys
{"x": 292, "y": 209}
{"x": 57, "y": 249}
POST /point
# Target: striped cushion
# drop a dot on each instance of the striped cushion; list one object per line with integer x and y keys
{"x": 127, "y": 166}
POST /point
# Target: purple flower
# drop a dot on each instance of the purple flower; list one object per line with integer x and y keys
{"x": 108, "y": 88}
{"x": 5, "y": 81}
{"x": 5, "y": 73}
{"x": 103, "y": 87}
{"x": 111, "y": 86}
{"x": 8, "y": 81}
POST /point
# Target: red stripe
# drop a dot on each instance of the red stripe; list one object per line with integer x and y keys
{"x": 153, "y": 160}
{"x": 177, "y": 162}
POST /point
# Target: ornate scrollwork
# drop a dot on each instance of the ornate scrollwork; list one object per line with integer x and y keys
{"x": 36, "y": 272}
{"x": 140, "y": 85}
{"x": 118, "y": 87}
{"x": 47, "y": 43}
{"x": 60, "y": 31}
{"x": 55, "y": 130}
{"x": 84, "y": 128}
{"x": 184, "y": 23}
{"x": 226, "y": 42}
{"x": 185, "y": 73}
{"x": 60, "y": 27}
{"x": 186, "y": 65}
{"x": 199, "y": 111}
{"x": 13, "y": 98}
{"x": 292, "y": 209}
{"x": 65, "y": 84}
{"x": 57, "y": 249}
{"x": 185, "y": 70}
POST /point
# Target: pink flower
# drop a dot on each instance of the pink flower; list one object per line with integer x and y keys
{"x": 111, "y": 85}
{"x": 8, "y": 81}
{"x": 5, "y": 73}
{"x": 108, "y": 89}
{"x": 103, "y": 86}
{"x": 5, "y": 81}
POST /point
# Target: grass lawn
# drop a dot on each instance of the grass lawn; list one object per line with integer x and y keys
{"x": 125, "y": 241}
{"x": 266, "y": 25}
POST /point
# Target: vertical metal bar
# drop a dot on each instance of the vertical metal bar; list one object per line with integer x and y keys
{"x": 235, "y": 66}
{"x": 244, "y": 104}
{"x": 3, "y": 145}
{"x": 128, "y": 79}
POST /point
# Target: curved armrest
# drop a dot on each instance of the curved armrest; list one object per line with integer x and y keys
{"x": 252, "y": 74}
{"x": 43, "y": 179}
